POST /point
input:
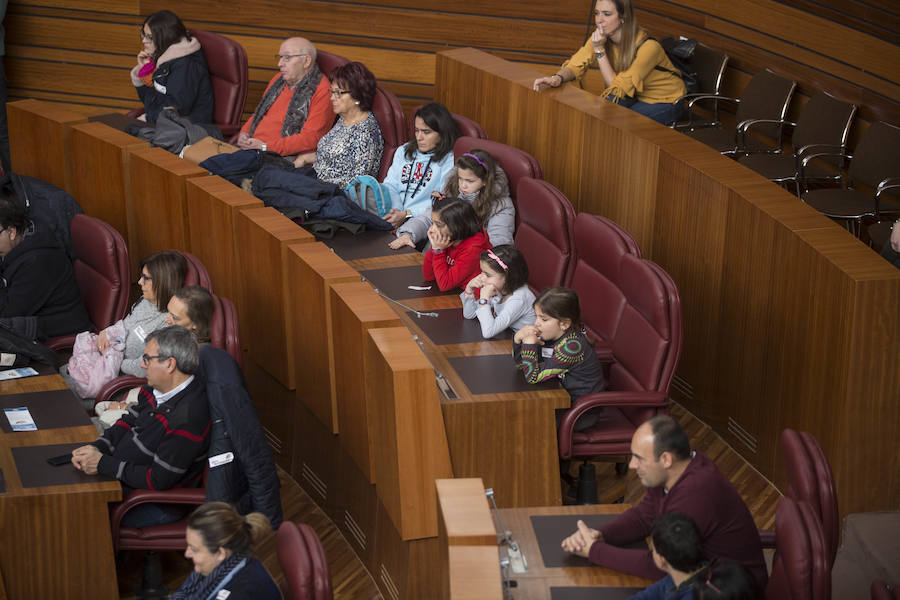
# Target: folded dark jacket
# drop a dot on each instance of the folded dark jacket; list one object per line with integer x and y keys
{"x": 300, "y": 189}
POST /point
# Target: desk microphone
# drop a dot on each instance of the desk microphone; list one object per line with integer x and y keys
{"x": 418, "y": 313}
{"x": 517, "y": 561}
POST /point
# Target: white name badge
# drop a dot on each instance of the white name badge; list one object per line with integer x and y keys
{"x": 7, "y": 360}
{"x": 220, "y": 459}
{"x": 159, "y": 87}
{"x": 547, "y": 352}
{"x": 223, "y": 595}
{"x": 140, "y": 333}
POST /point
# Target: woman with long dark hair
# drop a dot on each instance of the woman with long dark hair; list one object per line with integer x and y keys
{"x": 171, "y": 70}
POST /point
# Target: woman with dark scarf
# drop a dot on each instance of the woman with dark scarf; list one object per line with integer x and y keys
{"x": 219, "y": 542}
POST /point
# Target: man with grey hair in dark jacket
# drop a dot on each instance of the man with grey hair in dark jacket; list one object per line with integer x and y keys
{"x": 161, "y": 442}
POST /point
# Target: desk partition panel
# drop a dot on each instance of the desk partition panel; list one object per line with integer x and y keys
{"x": 101, "y": 173}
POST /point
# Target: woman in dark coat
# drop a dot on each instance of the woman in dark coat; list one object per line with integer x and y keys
{"x": 171, "y": 70}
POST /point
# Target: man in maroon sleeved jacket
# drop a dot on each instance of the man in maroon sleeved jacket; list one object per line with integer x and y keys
{"x": 677, "y": 480}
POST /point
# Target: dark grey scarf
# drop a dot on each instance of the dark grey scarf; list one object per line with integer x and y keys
{"x": 298, "y": 109}
{"x": 199, "y": 587}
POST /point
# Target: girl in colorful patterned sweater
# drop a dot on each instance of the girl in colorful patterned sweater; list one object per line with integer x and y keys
{"x": 556, "y": 346}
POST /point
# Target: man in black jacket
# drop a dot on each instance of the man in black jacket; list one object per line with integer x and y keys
{"x": 39, "y": 296}
{"x": 161, "y": 442}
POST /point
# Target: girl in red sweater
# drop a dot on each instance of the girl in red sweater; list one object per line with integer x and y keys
{"x": 457, "y": 240}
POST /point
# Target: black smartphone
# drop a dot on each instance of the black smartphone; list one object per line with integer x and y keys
{"x": 63, "y": 459}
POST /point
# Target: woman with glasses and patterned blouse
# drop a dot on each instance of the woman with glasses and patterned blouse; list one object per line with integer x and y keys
{"x": 353, "y": 146}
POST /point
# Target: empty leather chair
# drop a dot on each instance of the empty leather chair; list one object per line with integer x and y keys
{"x": 545, "y": 233}
{"x": 709, "y": 65}
{"x": 876, "y": 165}
{"x": 466, "y": 126}
{"x": 517, "y": 163}
{"x": 328, "y": 62}
{"x": 810, "y": 480}
{"x": 392, "y": 121}
{"x": 823, "y": 126}
{"x": 228, "y": 73}
{"x": 302, "y": 560}
{"x": 644, "y": 349}
{"x": 226, "y": 61}
{"x": 766, "y": 97}
{"x": 599, "y": 245}
{"x": 103, "y": 274}
{"x": 799, "y": 569}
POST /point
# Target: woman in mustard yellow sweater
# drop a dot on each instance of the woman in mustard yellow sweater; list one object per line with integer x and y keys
{"x": 636, "y": 70}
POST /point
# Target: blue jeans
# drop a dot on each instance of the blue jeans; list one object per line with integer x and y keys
{"x": 661, "y": 112}
{"x": 148, "y": 515}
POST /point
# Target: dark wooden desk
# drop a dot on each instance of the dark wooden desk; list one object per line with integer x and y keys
{"x": 55, "y": 540}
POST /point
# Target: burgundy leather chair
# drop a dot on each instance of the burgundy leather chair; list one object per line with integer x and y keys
{"x": 517, "y": 163}
{"x": 799, "y": 569}
{"x": 810, "y": 480}
{"x": 302, "y": 560}
{"x": 103, "y": 274}
{"x": 392, "y": 121}
{"x": 545, "y": 233}
{"x": 645, "y": 349}
{"x": 197, "y": 273}
{"x": 599, "y": 246}
{"x": 228, "y": 73}
{"x": 328, "y": 62}
{"x": 466, "y": 126}
{"x": 227, "y": 63}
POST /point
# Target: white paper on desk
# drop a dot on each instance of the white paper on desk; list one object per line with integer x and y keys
{"x": 20, "y": 419}
{"x": 17, "y": 373}
{"x": 419, "y": 288}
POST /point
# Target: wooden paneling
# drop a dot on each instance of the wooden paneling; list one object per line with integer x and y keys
{"x": 268, "y": 293}
{"x": 212, "y": 205}
{"x": 411, "y": 447}
{"x": 158, "y": 203}
{"x": 311, "y": 270}
{"x": 356, "y": 308}
{"x": 470, "y": 565}
{"x": 101, "y": 173}
{"x": 68, "y": 52}
{"x": 39, "y": 140}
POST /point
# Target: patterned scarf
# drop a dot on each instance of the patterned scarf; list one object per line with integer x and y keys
{"x": 298, "y": 109}
{"x": 198, "y": 587}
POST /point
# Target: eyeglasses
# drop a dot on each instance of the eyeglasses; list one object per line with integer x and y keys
{"x": 145, "y": 37}
{"x": 146, "y": 358}
{"x": 145, "y": 278}
{"x": 287, "y": 57}
{"x": 338, "y": 93}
